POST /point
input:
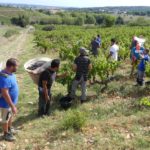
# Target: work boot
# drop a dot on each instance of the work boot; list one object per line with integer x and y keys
{"x": 9, "y": 137}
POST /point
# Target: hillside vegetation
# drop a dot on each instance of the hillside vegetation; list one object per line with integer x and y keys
{"x": 70, "y": 17}
{"x": 6, "y": 13}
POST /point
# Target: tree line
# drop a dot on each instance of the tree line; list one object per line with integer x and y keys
{"x": 79, "y": 19}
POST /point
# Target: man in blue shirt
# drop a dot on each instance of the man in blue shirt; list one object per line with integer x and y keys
{"x": 98, "y": 40}
{"x": 136, "y": 52}
{"x": 95, "y": 46}
{"x": 142, "y": 67}
{"x": 8, "y": 97}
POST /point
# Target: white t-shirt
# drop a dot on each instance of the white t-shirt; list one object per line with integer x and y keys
{"x": 114, "y": 50}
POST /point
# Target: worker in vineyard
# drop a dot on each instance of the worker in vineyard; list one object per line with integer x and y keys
{"x": 82, "y": 66}
{"x": 135, "y": 56}
{"x": 142, "y": 67}
{"x": 45, "y": 84}
{"x": 98, "y": 40}
{"x": 114, "y": 50}
{"x": 9, "y": 92}
{"x": 95, "y": 44}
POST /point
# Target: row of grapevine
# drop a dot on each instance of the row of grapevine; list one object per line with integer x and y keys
{"x": 68, "y": 39}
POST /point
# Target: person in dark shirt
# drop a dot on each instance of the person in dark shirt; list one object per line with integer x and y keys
{"x": 95, "y": 45}
{"x": 82, "y": 66}
{"x": 45, "y": 84}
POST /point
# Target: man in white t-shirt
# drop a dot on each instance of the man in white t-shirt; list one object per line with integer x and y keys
{"x": 114, "y": 50}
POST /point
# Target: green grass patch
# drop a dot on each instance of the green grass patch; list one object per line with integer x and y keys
{"x": 10, "y": 33}
{"x": 74, "y": 119}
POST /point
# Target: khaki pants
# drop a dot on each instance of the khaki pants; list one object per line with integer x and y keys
{"x": 6, "y": 114}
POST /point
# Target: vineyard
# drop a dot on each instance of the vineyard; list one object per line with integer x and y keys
{"x": 116, "y": 115}
{"x": 67, "y": 40}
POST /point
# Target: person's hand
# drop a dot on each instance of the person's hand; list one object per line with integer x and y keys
{"x": 47, "y": 99}
{"x": 14, "y": 110}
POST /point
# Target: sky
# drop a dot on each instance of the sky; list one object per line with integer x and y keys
{"x": 82, "y": 3}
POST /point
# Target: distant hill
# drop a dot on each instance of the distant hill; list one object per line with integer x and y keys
{"x": 113, "y": 9}
{"x": 6, "y": 13}
{"x": 95, "y": 9}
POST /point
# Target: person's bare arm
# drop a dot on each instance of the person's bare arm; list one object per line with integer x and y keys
{"x": 90, "y": 67}
{"x": 62, "y": 75}
{"x": 74, "y": 67}
{"x": 44, "y": 83}
{"x": 141, "y": 56}
{"x": 6, "y": 96}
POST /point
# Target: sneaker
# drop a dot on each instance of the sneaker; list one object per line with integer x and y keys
{"x": 9, "y": 137}
{"x": 11, "y": 130}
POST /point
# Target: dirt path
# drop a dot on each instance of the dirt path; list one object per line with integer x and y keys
{"x": 14, "y": 47}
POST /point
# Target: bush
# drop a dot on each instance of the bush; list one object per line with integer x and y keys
{"x": 48, "y": 28}
{"x": 74, "y": 119}
{"x": 109, "y": 21}
{"x": 99, "y": 19}
{"x": 10, "y": 33}
{"x": 90, "y": 19}
{"x": 55, "y": 20}
{"x": 145, "y": 101}
{"x": 119, "y": 21}
{"x": 51, "y": 20}
{"x": 21, "y": 21}
{"x": 79, "y": 21}
{"x": 141, "y": 21}
{"x": 68, "y": 20}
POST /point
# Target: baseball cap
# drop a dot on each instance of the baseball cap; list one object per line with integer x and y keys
{"x": 84, "y": 51}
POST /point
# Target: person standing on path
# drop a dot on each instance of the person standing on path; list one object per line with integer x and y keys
{"x": 82, "y": 66}
{"x": 9, "y": 92}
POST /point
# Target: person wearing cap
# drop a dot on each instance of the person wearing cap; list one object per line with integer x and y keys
{"x": 9, "y": 92}
{"x": 82, "y": 66}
